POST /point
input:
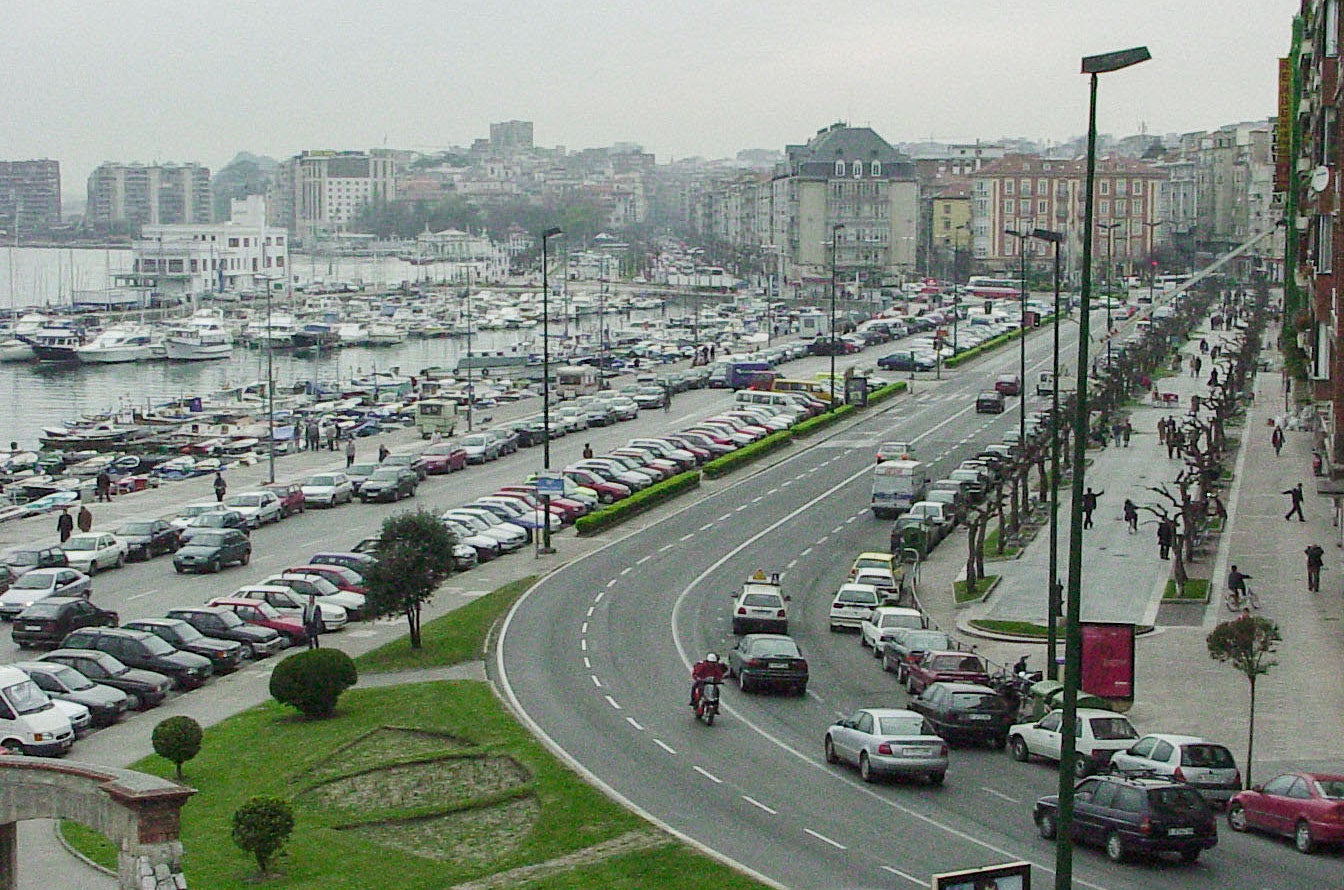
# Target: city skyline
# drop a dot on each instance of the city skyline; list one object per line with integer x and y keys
{"x": 143, "y": 82}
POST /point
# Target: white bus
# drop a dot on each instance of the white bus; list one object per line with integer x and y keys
{"x": 896, "y": 485}
{"x": 985, "y": 286}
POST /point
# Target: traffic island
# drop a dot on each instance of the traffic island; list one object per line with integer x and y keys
{"x": 964, "y": 594}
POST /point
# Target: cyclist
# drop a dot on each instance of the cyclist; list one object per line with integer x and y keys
{"x": 1236, "y": 587}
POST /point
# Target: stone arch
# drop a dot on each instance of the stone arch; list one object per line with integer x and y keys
{"x": 136, "y": 811}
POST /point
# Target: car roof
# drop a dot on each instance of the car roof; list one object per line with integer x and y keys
{"x": 964, "y": 654}
{"x": 966, "y": 687}
{"x": 1178, "y": 739}
{"x": 768, "y": 637}
{"x": 260, "y": 588}
{"x": 49, "y": 570}
{"x": 891, "y": 712}
{"x": 896, "y": 610}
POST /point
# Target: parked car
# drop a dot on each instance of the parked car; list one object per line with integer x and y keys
{"x": 61, "y": 682}
{"x": 907, "y": 645}
{"x": 262, "y": 614}
{"x": 887, "y": 742}
{"x": 210, "y": 551}
{"x": 291, "y": 605}
{"x": 257, "y": 507}
{"x": 768, "y": 660}
{"x": 1134, "y": 814}
{"x": 357, "y": 473}
{"x": 389, "y": 484}
{"x": 1207, "y": 767}
{"x": 92, "y": 551}
{"x": 966, "y": 712}
{"x": 223, "y": 624}
{"x": 140, "y": 649}
{"x": 47, "y": 621}
{"x": 328, "y": 489}
{"x": 946, "y": 666}
{"x": 217, "y": 520}
{"x": 884, "y": 622}
{"x": 1308, "y": 807}
{"x": 340, "y": 577}
{"x": 444, "y": 457}
{"x": 40, "y": 584}
{"x": 1098, "y": 735}
{"x": 291, "y": 497}
{"x": 406, "y": 460}
{"x": 30, "y": 722}
{"x": 25, "y": 559}
{"x": 852, "y": 604}
{"x": 225, "y": 656}
{"x": 191, "y": 511}
{"x": 479, "y": 448}
{"x": 144, "y": 689}
{"x": 147, "y": 538}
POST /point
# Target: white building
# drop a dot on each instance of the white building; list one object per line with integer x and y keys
{"x": 331, "y": 187}
{"x": 187, "y": 261}
{"x": 470, "y": 257}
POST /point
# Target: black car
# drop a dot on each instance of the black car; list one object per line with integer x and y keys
{"x": 222, "y": 624}
{"x": 405, "y": 460}
{"x": 48, "y": 621}
{"x": 966, "y": 712}
{"x": 148, "y": 538}
{"x": 106, "y": 704}
{"x": 389, "y": 483}
{"x": 989, "y": 402}
{"x": 138, "y": 649}
{"x": 768, "y": 660}
{"x": 145, "y": 689}
{"x": 214, "y": 521}
{"x": 225, "y": 655}
{"x": 1134, "y": 814}
{"x": 210, "y": 551}
{"x": 530, "y": 432}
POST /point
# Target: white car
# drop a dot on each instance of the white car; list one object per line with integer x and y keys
{"x": 40, "y": 584}
{"x": 291, "y": 605}
{"x": 1099, "y": 734}
{"x": 257, "y": 507}
{"x": 509, "y": 539}
{"x": 304, "y": 583}
{"x": 328, "y": 489}
{"x": 882, "y": 624}
{"x": 852, "y": 604}
{"x": 573, "y": 417}
{"x": 493, "y": 524}
{"x": 92, "y": 551}
{"x": 1205, "y": 766}
{"x": 479, "y": 448}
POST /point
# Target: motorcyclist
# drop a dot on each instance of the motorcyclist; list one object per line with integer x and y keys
{"x": 709, "y": 670}
{"x": 1236, "y": 585}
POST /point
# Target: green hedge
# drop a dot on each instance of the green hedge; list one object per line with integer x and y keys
{"x": 993, "y": 343}
{"x": 637, "y": 503}
{"x": 886, "y": 392}
{"x": 812, "y": 424}
{"x": 722, "y": 466}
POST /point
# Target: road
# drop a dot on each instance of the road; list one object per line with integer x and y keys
{"x": 597, "y": 655}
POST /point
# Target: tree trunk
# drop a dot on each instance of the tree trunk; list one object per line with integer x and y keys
{"x": 413, "y": 625}
{"x": 1014, "y": 517}
{"x": 1250, "y": 735}
{"x": 980, "y": 550}
{"x": 1178, "y": 563}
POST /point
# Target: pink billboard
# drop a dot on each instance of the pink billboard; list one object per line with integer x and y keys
{"x": 1108, "y": 660}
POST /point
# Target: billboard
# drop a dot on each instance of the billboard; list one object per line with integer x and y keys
{"x": 1283, "y": 129}
{"x": 1011, "y": 876}
{"x": 1108, "y": 660}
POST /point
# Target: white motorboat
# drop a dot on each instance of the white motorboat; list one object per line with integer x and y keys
{"x": 352, "y": 333}
{"x": 122, "y": 343}
{"x": 14, "y": 350}
{"x": 202, "y": 337}
{"x": 386, "y": 333}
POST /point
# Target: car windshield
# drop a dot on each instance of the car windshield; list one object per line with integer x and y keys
{"x": 926, "y": 640}
{"x": 974, "y": 701}
{"x": 360, "y": 469}
{"x": 1176, "y": 801}
{"x": 322, "y": 481}
{"x": 40, "y": 609}
{"x": 266, "y": 609}
{"x": 955, "y": 663}
{"x": 228, "y": 619}
{"x": 1112, "y": 728}
{"x": 901, "y": 725}
{"x": 110, "y": 665}
{"x": 26, "y": 698}
{"x": 321, "y": 586}
{"x": 389, "y": 474}
{"x": 774, "y": 648}
{"x": 213, "y": 520}
{"x": 198, "y": 509}
{"x": 243, "y": 500}
{"x": 70, "y": 678}
{"x": 34, "y": 581}
{"x": 475, "y": 441}
{"x": 1207, "y": 756}
{"x": 205, "y": 539}
{"x": 23, "y": 558}
{"x": 764, "y": 600}
{"x": 1330, "y": 788}
{"x": 442, "y": 448}
{"x": 81, "y": 542}
{"x": 184, "y": 633}
{"x": 136, "y": 528}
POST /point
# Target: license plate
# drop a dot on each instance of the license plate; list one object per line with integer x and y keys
{"x": 980, "y": 716}
{"x": 32, "y": 627}
{"x": 1180, "y": 832}
{"x": 779, "y": 665}
{"x": 915, "y": 752}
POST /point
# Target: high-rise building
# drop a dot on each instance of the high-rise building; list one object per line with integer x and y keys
{"x": 30, "y": 196}
{"x": 149, "y": 194}
{"x": 332, "y": 187}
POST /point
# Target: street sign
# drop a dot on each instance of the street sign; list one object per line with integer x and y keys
{"x": 550, "y": 485}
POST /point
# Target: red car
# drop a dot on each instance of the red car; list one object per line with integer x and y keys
{"x": 1008, "y": 384}
{"x": 1308, "y": 807}
{"x": 567, "y": 510}
{"x": 264, "y": 614}
{"x": 607, "y": 492}
{"x": 946, "y": 666}
{"x": 341, "y": 577}
{"x": 290, "y": 495}
{"x": 445, "y": 457}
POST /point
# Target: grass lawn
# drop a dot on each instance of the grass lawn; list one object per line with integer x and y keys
{"x": 1015, "y": 628}
{"x": 991, "y": 547}
{"x": 449, "y": 639}
{"x": 961, "y": 592}
{"x": 1196, "y": 591}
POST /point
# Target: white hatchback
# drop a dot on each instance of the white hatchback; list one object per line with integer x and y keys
{"x": 852, "y": 604}
{"x": 90, "y": 552}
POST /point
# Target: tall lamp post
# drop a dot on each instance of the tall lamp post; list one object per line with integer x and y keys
{"x": 956, "y": 288}
{"x": 1110, "y": 281}
{"x": 836, "y": 229}
{"x": 1073, "y": 663}
{"x": 546, "y": 236}
{"x": 466, "y": 311}
{"x": 1022, "y": 238}
{"x": 1052, "y": 594}
{"x": 1152, "y": 263}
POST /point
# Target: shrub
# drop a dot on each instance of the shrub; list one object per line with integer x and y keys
{"x": 262, "y": 825}
{"x": 886, "y": 392}
{"x": 722, "y": 466}
{"x": 637, "y": 503}
{"x": 313, "y": 680}
{"x": 177, "y": 739}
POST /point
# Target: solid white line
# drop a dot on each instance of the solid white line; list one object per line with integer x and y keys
{"x": 634, "y": 723}
{"x": 911, "y": 878}
{"x": 687, "y": 536}
{"x": 611, "y": 701}
{"x": 1000, "y": 794}
{"x": 823, "y": 838}
{"x": 708, "y": 775}
{"x": 596, "y": 682}
{"x": 756, "y": 803}
{"x": 666, "y": 747}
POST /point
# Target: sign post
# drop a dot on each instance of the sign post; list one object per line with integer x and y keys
{"x": 548, "y": 486}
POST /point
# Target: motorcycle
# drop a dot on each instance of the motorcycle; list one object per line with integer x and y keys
{"x": 707, "y": 704}
{"x": 1014, "y": 686}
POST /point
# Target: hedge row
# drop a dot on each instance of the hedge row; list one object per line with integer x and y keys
{"x": 722, "y": 466}
{"x": 887, "y": 391}
{"x": 992, "y": 343}
{"x": 637, "y": 503}
{"x": 812, "y": 424}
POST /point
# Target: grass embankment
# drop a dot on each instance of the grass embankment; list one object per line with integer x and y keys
{"x": 962, "y": 592}
{"x": 1196, "y": 590}
{"x": 991, "y": 547}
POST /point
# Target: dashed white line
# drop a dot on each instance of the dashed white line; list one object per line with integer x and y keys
{"x": 583, "y": 629}
{"x": 708, "y": 775}
{"x": 786, "y": 483}
{"x": 757, "y": 500}
{"x": 741, "y": 507}
{"x": 611, "y": 701}
{"x": 772, "y": 491}
{"x": 706, "y": 527}
{"x": 837, "y": 530}
{"x": 596, "y": 682}
{"x": 791, "y": 563}
{"x": 610, "y": 584}
{"x": 1000, "y": 795}
{"x": 591, "y": 610}
{"x": 724, "y": 516}
{"x": 852, "y": 518}
{"x": 666, "y": 547}
{"x": 822, "y": 540}
{"x": 627, "y": 570}
{"x": 665, "y": 746}
{"x": 805, "y": 552}
{"x": 911, "y": 878}
{"x": 756, "y": 803}
{"x": 589, "y": 665}
{"x": 824, "y": 839}
{"x": 583, "y": 645}
{"x": 635, "y": 723}
{"x": 687, "y": 536}
{"x": 643, "y": 559}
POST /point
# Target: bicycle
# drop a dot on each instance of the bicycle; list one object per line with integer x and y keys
{"x": 1236, "y": 602}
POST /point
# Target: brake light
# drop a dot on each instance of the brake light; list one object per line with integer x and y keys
{"x": 779, "y": 613}
{"x": 1337, "y": 813}
{"x": 741, "y": 610}
{"x": 942, "y": 750}
{"x": 754, "y": 662}
{"x": 1178, "y": 775}
{"x": 801, "y": 664}
{"x": 1146, "y": 826}
{"x": 884, "y": 748}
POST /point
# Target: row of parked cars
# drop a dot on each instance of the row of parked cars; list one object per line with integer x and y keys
{"x": 102, "y": 668}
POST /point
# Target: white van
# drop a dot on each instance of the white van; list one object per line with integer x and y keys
{"x": 777, "y": 402}
{"x": 29, "y": 722}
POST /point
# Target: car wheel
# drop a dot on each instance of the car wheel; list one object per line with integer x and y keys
{"x": 247, "y": 557}
{"x": 936, "y": 778}
{"x": 744, "y": 682}
{"x": 215, "y": 566}
{"x": 831, "y": 756}
{"x": 1019, "y": 749}
{"x": 1045, "y": 824}
{"x": 866, "y": 771}
{"x": 1302, "y": 838}
{"x": 800, "y": 690}
{"x": 886, "y": 663}
{"x": 178, "y": 569}
{"x": 1236, "y": 817}
{"x": 93, "y": 568}
{"x": 248, "y": 652}
{"x": 1190, "y": 855}
{"x": 877, "y": 652}
{"x": 121, "y": 561}
{"x": 1115, "y": 847}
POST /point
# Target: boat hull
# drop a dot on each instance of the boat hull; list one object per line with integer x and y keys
{"x": 192, "y": 351}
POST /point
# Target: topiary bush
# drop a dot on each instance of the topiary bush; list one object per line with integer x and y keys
{"x": 262, "y": 825}
{"x": 177, "y": 739}
{"x": 313, "y": 680}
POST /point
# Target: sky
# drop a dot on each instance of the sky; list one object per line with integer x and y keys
{"x": 153, "y": 80}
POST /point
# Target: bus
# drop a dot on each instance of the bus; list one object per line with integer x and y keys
{"x": 819, "y": 388}
{"x": 985, "y": 286}
{"x": 572, "y": 381}
{"x": 436, "y": 416}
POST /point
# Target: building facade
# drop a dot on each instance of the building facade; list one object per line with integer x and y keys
{"x": 30, "y": 196}
{"x": 511, "y": 136}
{"x": 149, "y": 194}
{"x": 329, "y": 188}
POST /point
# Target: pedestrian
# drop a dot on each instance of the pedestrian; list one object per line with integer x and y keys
{"x": 1162, "y": 430}
{"x": 312, "y": 621}
{"x": 332, "y": 431}
{"x": 1090, "y": 504}
{"x": 1173, "y": 440}
{"x": 435, "y": 438}
{"x": 1213, "y": 379}
{"x": 1101, "y": 435}
{"x": 1131, "y": 516}
{"x": 1216, "y": 351}
{"x": 1196, "y": 365}
{"x": 1204, "y": 346}
{"x": 1276, "y": 439}
{"x": 587, "y": 451}
{"x": 1315, "y": 559}
{"x": 1117, "y": 431}
{"x": 65, "y": 524}
{"x": 220, "y": 486}
{"x": 85, "y": 518}
{"x": 1127, "y": 430}
{"x": 1166, "y": 534}
{"x": 350, "y": 451}
{"x": 104, "y": 486}
{"x": 1295, "y": 496}
{"x": 311, "y": 431}
{"x": 382, "y": 453}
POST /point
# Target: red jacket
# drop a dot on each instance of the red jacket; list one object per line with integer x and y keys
{"x": 705, "y": 670}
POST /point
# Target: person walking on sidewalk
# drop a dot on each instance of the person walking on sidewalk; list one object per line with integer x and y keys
{"x": 312, "y": 621}
{"x": 1315, "y": 560}
{"x": 350, "y": 452}
{"x": 65, "y": 524}
{"x": 1131, "y": 516}
{"x": 1090, "y": 504}
{"x": 1196, "y": 363}
{"x": 1295, "y": 496}
{"x": 587, "y": 451}
{"x": 1127, "y": 430}
{"x": 84, "y": 520}
{"x": 1166, "y": 533}
{"x": 1276, "y": 439}
{"x": 220, "y": 486}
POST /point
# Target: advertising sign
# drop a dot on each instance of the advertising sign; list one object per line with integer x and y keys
{"x": 552, "y": 486}
{"x": 1011, "y": 876}
{"x": 856, "y": 391}
{"x": 1108, "y": 660}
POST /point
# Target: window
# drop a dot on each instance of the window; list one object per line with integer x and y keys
{"x": 1008, "y": 207}
{"x": 1330, "y": 26}
{"x": 1329, "y": 122}
{"x": 1120, "y": 186}
{"x": 1105, "y": 794}
{"x": 1137, "y": 206}
{"x": 1008, "y": 186}
{"x": 875, "y": 168}
{"x": 1104, "y": 208}
{"x": 1025, "y": 187}
{"x": 1040, "y": 207}
{"x": 1163, "y": 751}
{"x": 839, "y": 168}
{"x": 1120, "y": 206}
{"x": 1279, "y": 786}
{"x": 1024, "y": 207}
{"x": 1136, "y": 187}
{"x": 1105, "y": 187}
{"x": 1143, "y": 746}
{"x": 1128, "y": 799}
{"x": 1325, "y": 233}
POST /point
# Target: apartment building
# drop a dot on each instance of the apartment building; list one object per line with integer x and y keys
{"x": 30, "y": 197}
{"x": 137, "y": 195}
{"x": 329, "y": 188}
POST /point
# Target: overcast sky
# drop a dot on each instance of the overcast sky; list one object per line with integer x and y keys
{"x": 145, "y": 80}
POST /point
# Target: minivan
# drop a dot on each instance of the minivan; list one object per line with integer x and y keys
{"x": 29, "y": 722}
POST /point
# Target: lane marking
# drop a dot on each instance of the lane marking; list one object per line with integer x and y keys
{"x": 999, "y": 794}
{"x": 589, "y": 665}
{"x": 591, "y": 609}
{"x": 596, "y": 682}
{"x": 611, "y": 701}
{"x": 837, "y": 530}
{"x": 666, "y": 747}
{"x": 773, "y": 491}
{"x": 687, "y": 536}
{"x": 635, "y": 723}
{"x": 824, "y": 839}
{"x": 706, "y": 527}
{"x": 643, "y": 559}
{"x": 822, "y": 540}
{"x": 141, "y": 595}
{"x": 667, "y": 547}
{"x": 805, "y": 552}
{"x": 911, "y": 878}
{"x": 756, "y": 803}
{"x": 724, "y": 517}
{"x": 708, "y": 775}
{"x": 584, "y": 629}
{"x": 757, "y": 500}
{"x": 627, "y": 570}
{"x": 583, "y": 645}
{"x": 741, "y": 507}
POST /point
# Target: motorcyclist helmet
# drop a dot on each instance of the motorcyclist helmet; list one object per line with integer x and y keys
{"x": 712, "y": 658}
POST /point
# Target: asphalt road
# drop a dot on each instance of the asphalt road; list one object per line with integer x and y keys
{"x": 596, "y": 658}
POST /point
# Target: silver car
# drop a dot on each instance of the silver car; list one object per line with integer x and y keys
{"x": 1206, "y": 766}
{"x": 887, "y": 742}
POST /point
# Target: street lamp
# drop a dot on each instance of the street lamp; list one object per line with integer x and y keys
{"x": 836, "y": 229}
{"x": 466, "y": 311}
{"x": 1091, "y": 66}
{"x": 1152, "y": 264}
{"x": 1110, "y": 284}
{"x": 956, "y": 292}
{"x": 1052, "y": 596}
{"x": 1021, "y": 237}
{"x": 546, "y": 236}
